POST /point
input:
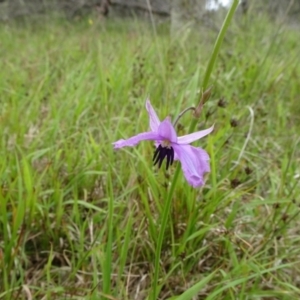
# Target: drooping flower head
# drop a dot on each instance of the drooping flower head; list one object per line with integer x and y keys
{"x": 194, "y": 161}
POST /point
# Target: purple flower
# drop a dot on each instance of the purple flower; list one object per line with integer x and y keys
{"x": 194, "y": 161}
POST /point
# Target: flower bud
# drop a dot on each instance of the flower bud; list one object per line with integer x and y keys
{"x": 204, "y": 98}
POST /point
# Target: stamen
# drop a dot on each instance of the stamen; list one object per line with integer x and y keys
{"x": 160, "y": 154}
{"x": 156, "y": 155}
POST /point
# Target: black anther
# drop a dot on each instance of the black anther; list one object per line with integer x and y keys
{"x": 160, "y": 154}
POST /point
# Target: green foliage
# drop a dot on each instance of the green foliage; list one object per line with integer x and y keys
{"x": 79, "y": 220}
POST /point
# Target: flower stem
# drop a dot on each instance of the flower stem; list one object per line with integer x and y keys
{"x": 166, "y": 211}
{"x": 182, "y": 113}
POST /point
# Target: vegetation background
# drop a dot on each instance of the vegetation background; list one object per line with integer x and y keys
{"x": 79, "y": 220}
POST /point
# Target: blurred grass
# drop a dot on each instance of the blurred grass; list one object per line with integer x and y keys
{"x": 79, "y": 220}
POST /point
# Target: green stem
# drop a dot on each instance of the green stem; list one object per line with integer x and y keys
{"x": 218, "y": 43}
{"x": 107, "y": 265}
{"x": 161, "y": 234}
{"x": 167, "y": 208}
{"x": 182, "y": 113}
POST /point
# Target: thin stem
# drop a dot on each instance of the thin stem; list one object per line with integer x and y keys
{"x": 218, "y": 44}
{"x": 166, "y": 211}
{"x": 182, "y": 113}
{"x": 161, "y": 234}
{"x": 107, "y": 266}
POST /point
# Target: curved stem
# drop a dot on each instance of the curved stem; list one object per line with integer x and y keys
{"x": 182, "y": 113}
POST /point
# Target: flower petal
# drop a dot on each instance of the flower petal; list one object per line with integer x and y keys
{"x": 189, "y": 138}
{"x": 194, "y": 163}
{"x": 152, "y": 136}
{"x": 166, "y": 131}
{"x": 154, "y": 120}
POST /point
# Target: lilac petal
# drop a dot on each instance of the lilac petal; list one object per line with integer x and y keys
{"x": 194, "y": 163}
{"x": 154, "y": 120}
{"x": 166, "y": 131}
{"x": 151, "y": 136}
{"x": 189, "y": 138}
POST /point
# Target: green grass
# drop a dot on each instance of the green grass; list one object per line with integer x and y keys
{"x": 79, "y": 220}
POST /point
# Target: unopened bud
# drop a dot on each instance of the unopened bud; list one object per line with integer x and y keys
{"x": 204, "y": 98}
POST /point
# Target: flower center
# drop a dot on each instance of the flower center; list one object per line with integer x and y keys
{"x": 162, "y": 151}
{"x": 166, "y": 144}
